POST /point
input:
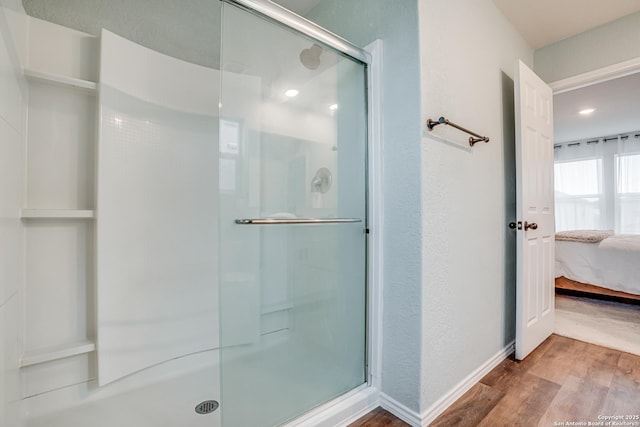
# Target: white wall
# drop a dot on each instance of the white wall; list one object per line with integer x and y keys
{"x": 608, "y": 44}
{"x": 468, "y": 50}
{"x": 12, "y": 88}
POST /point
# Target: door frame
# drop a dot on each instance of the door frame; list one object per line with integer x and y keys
{"x": 600, "y": 75}
{"x": 366, "y": 397}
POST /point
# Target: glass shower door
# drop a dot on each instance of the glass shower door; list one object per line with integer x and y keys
{"x": 292, "y": 222}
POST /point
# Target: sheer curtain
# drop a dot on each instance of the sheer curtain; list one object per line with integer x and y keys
{"x": 628, "y": 193}
{"x": 597, "y": 184}
{"x": 579, "y": 198}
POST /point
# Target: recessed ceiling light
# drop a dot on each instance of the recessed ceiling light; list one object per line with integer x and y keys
{"x": 586, "y": 111}
{"x": 291, "y": 93}
{"x": 333, "y": 107}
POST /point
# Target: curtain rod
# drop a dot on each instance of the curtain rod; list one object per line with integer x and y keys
{"x": 604, "y": 139}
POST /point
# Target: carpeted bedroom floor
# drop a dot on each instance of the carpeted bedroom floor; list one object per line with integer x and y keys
{"x": 609, "y": 324}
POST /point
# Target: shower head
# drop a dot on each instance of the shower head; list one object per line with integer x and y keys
{"x": 310, "y": 57}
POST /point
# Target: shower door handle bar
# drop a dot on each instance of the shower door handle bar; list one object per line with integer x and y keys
{"x": 280, "y": 221}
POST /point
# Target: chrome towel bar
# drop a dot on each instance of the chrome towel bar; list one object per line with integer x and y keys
{"x": 279, "y": 221}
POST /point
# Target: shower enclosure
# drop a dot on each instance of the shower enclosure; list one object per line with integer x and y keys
{"x": 228, "y": 218}
{"x": 292, "y": 200}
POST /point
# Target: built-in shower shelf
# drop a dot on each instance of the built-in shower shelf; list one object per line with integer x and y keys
{"x": 57, "y": 214}
{"x": 275, "y": 308}
{"x": 60, "y": 80}
{"x": 58, "y": 352}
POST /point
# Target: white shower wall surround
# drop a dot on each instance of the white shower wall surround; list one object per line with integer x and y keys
{"x": 163, "y": 395}
{"x": 12, "y": 155}
{"x": 157, "y": 340}
{"x": 58, "y": 207}
{"x": 157, "y": 297}
{"x": 177, "y": 363}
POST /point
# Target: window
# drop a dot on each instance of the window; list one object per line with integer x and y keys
{"x": 578, "y": 192}
{"x": 628, "y": 194}
{"x": 230, "y": 139}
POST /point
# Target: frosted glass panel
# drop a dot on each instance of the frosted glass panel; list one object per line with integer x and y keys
{"x": 156, "y": 215}
{"x": 292, "y": 297}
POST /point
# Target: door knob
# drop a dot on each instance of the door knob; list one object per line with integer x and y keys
{"x": 532, "y": 226}
{"x": 513, "y": 225}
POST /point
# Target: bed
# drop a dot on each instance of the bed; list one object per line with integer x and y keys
{"x": 609, "y": 265}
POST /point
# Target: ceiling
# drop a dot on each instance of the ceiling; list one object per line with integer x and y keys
{"x": 617, "y": 110}
{"x": 543, "y": 22}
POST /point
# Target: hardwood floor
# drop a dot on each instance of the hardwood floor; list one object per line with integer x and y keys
{"x": 379, "y": 418}
{"x": 562, "y": 380}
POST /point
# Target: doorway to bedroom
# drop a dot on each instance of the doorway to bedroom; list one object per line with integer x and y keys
{"x": 597, "y": 210}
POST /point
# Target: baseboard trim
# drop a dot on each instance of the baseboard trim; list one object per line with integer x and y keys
{"x": 341, "y": 411}
{"x": 445, "y": 401}
{"x": 399, "y": 410}
{"x": 371, "y": 404}
{"x": 348, "y": 408}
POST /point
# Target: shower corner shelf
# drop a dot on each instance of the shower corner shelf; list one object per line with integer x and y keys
{"x": 57, "y": 214}
{"x": 60, "y": 80}
{"x": 30, "y": 358}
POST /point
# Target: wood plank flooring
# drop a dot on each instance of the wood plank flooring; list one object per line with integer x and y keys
{"x": 562, "y": 380}
{"x": 379, "y": 418}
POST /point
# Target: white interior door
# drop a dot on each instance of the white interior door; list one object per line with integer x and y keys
{"x": 535, "y": 211}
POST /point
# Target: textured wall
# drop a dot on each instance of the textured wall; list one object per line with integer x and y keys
{"x": 608, "y": 44}
{"x": 468, "y": 51}
{"x": 187, "y": 30}
{"x": 395, "y": 22}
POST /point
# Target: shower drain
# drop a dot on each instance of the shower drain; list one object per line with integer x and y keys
{"x": 207, "y": 407}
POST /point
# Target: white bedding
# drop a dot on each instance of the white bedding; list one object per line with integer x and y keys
{"x": 613, "y": 263}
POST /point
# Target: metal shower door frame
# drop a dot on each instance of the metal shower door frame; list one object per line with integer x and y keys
{"x": 373, "y": 209}
{"x": 304, "y": 26}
